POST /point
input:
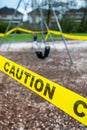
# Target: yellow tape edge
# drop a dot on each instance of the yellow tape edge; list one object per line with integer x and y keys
{"x": 2, "y": 35}
{"x": 70, "y": 102}
{"x": 68, "y": 36}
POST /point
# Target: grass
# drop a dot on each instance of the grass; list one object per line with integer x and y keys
{"x": 25, "y": 37}
{"x": 18, "y": 37}
{"x": 29, "y": 37}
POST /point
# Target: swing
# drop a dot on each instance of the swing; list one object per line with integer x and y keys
{"x": 39, "y": 53}
{"x": 47, "y": 48}
{"x": 46, "y": 53}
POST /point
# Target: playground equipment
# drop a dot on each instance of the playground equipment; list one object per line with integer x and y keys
{"x": 43, "y": 21}
{"x": 39, "y": 53}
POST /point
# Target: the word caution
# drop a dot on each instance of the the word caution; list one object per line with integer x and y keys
{"x": 67, "y": 100}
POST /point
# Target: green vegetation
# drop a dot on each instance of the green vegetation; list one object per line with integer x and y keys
{"x": 18, "y": 37}
{"x": 3, "y": 26}
{"x": 21, "y": 37}
{"x": 29, "y": 37}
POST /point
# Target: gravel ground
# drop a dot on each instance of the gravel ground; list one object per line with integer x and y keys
{"x": 21, "y": 109}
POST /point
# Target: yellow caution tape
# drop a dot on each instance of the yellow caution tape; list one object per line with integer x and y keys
{"x": 69, "y": 36}
{"x": 21, "y": 30}
{"x": 74, "y": 37}
{"x": 46, "y": 37}
{"x": 67, "y": 100}
{"x": 25, "y": 30}
{"x": 18, "y": 29}
{"x": 55, "y": 32}
{"x": 2, "y": 35}
{"x": 11, "y": 31}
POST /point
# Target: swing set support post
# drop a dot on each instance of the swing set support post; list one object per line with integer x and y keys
{"x": 60, "y": 29}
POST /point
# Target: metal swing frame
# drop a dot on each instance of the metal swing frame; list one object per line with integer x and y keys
{"x": 60, "y": 29}
{"x": 47, "y": 49}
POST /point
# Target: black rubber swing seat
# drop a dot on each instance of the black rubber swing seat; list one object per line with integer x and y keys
{"x": 46, "y": 53}
{"x": 39, "y": 55}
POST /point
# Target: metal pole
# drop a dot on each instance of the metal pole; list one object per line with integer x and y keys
{"x": 49, "y": 34}
{"x": 42, "y": 20}
{"x": 10, "y": 22}
{"x": 60, "y": 29}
